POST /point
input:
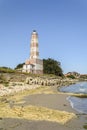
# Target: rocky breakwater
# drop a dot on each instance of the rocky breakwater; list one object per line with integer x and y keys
{"x": 44, "y": 81}
{"x": 32, "y": 83}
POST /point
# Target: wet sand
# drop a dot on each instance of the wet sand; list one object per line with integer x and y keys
{"x": 53, "y": 101}
{"x": 15, "y": 124}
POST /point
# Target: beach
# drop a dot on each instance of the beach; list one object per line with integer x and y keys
{"x": 47, "y": 98}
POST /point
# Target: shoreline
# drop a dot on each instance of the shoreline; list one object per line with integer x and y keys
{"x": 47, "y": 97}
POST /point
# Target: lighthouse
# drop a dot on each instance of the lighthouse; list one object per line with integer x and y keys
{"x": 34, "y": 52}
{"x": 34, "y": 64}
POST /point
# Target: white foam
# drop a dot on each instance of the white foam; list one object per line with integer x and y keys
{"x": 72, "y": 105}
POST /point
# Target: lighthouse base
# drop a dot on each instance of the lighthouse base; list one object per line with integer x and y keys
{"x": 34, "y": 66}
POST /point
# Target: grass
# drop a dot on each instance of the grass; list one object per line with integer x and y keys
{"x": 85, "y": 126}
{"x": 81, "y": 95}
{"x": 6, "y": 70}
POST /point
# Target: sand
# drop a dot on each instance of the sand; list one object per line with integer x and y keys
{"x": 52, "y": 101}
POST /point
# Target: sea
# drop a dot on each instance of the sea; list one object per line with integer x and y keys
{"x": 77, "y": 103}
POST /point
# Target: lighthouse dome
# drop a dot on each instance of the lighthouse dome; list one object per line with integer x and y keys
{"x": 34, "y": 31}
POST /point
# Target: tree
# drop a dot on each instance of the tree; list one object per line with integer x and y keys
{"x": 19, "y": 66}
{"x": 51, "y": 66}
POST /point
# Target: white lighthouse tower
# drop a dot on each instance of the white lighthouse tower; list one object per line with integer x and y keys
{"x": 34, "y": 64}
{"x": 34, "y": 52}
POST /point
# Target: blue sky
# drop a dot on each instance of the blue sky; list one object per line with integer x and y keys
{"x": 61, "y": 26}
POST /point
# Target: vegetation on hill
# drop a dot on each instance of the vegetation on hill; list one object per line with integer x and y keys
{"x": 52, "y": 66}
{"x": 70, "y": 76}
{"x": 6, "y": 70}
{"x": 4, "y": 79}
{"x": 73, "y": 75}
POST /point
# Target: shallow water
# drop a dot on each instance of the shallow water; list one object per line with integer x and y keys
{"x": 79, "y": 104}
{"x": 80, "y": 87}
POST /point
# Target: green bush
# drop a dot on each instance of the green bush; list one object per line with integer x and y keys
{"x": 51, "y": 66}
{"x": 19, "y": 66}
